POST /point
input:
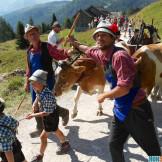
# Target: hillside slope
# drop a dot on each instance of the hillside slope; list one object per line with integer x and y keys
{"x": 153, "y": 11}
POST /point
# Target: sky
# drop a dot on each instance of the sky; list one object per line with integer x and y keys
{"x": 7, "y": 6}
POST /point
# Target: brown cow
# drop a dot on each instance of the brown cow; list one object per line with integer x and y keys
{"x": 88, "y": 75}
{"x": 150, "y": 66}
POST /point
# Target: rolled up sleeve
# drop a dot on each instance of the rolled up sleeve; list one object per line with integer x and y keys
{"x": 57, "y": 54}
{"x": 96, "y": 55}
{"x": 124, "y": 67}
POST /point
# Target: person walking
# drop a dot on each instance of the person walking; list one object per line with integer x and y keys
{"x": 132, "y": 111}
{"x": 53, "y": 37}
{"x": 39, "y": 56}
{"x": 48, "y": 112}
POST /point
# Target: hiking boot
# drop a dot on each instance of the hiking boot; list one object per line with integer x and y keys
{"x": 37, "y": 158}
{"x": 63, "y": 149}
{"x": 65, "y": 118}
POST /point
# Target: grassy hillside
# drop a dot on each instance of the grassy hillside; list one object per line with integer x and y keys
{"x": 153, "y": 11}
{"x": 11, "y": 59}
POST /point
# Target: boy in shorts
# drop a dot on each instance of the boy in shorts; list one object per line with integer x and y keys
{"x": 48, "y": 112}
{"x": 10, "y": 147}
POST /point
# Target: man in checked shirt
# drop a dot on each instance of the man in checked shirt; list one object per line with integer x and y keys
{"x": 132, "y": 111}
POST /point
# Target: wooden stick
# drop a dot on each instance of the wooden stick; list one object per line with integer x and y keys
{"x": 20, "y": 104}
{"x": 72, "y": 27}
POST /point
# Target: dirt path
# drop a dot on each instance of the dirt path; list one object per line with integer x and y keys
{"x": 88, "y": 134}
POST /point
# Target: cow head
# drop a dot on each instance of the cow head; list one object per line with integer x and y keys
{"x": 67, "y": 77}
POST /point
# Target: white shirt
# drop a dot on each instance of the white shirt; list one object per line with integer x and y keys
{"x": 53, "y": 38}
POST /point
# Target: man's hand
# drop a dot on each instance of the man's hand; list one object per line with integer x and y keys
{"x": 70, "y": 51}
{"x": 29, "y": 116}
{"x": 72, "y": 41}
{"x": 35, "y": 108}
{"x": 27, "y": 87}
{"x": 60, "y": 41}
{"x": 101, "y": 98}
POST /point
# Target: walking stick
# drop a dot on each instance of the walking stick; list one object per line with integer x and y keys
{"x": 20, "y": 104}
{"x": 72, "y": 27}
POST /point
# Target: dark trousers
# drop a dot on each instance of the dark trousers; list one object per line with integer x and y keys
{"x": 62, "y": 113}
{"x": 140, "y": 125}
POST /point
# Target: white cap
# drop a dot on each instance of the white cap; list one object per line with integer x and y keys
{"x": 39, "y": 76}
{"x": 56, "y": 23}
{"x": 103, "y": 26}
{"x": 28, "y": 28}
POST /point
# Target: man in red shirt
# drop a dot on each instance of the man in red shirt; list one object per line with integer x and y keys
{"x": 132, "y": 111}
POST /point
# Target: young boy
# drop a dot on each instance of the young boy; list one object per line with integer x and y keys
{"x": 10, "y": 147}
{"x": 48, "y": 112}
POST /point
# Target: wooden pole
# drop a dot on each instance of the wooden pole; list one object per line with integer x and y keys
{"x": 72, "y": 27}
{"x": 20, "y": 104}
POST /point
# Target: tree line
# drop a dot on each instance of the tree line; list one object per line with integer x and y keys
{"x": 7, "y": 32}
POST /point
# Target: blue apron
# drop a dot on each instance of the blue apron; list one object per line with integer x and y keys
{"x": 35, "y": 64}
{"x": 122, "y": 105}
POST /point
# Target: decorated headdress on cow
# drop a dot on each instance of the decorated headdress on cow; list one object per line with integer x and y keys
{"x": 106, "y": 27}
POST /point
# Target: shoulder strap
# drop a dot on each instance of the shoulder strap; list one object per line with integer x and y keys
{"x": 28, "y": 56}
{"x": 44, "y": 48}
{"x": 109, "y": 64}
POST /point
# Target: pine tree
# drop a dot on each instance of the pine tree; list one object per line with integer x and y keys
{"x": 44, "y": 28}
{"x": 21, "y": 41}
{"x": 67, "y": 23}
{"x": 31, "y": 22}
{"x": 6, "y": 31}
{"x": 53, "y": 19}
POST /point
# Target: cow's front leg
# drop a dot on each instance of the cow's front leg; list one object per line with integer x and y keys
{"x": 100, "y": 109}
{"x": 76, "y": 99}
{"x": 155, "y": 93}
{"x": 159, "y": 94}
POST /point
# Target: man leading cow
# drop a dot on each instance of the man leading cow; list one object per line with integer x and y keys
{"x": 132, "y": 111}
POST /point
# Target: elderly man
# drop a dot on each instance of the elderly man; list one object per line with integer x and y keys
{"x": 132, "y": 111}
{"x": 39, "y": 56}
{"x": 53, "y": 37}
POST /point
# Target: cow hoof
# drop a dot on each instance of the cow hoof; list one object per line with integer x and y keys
{"x": 99, "y": 113}
{"x": 74, "y": 115}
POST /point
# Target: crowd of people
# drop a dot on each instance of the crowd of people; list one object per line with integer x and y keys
{"x": 132, "y": 111}
{"x": 122, "y": 22}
